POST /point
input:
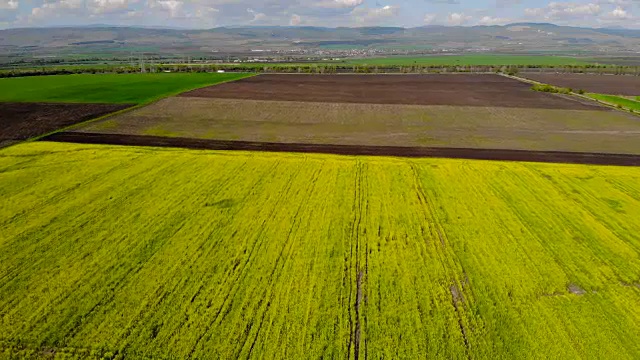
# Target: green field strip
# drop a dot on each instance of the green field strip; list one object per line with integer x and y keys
{"x": 106, "y": 88}
{"x": 617, "y": 101}
{"x": 168, "y": 253}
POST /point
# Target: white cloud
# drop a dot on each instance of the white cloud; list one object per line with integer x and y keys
{"x": 258, "y": 17}
{"x": 8, "y": 11}
{"x": 374, "y": 16}
{"x": 458, "y": 19}
{"x": 615, "y": 2}
{"x": 9, "y": 4}
{"x": 201, "y": 13}
{"x": 534, "y": 12}
{"x": 429, "y": 19}
{"x": 338, "y": 4}
{"x": 617, "y": 17}
{"x": 295, "y": 20}
{"x": 620, "y": 13}
{"x": 564, "y": 10}
{"x": 206, "y": 12}
{"x": 172, "y": 7}
{"x": 488, "y": 20}
{"x": 55, "y": 8}
{"x": 561, "y": 9}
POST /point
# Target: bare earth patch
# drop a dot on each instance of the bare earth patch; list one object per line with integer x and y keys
{"x": 460, "y": 90}
{"x": 576, "y": 290}
{"x": 21, "y": 121}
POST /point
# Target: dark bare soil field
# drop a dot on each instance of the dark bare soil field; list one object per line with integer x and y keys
{"x": 434, "y": 89}
{"x": 604, "y": 84}
{"x": 453, "y": 153}
{"x": 21, "y": 121}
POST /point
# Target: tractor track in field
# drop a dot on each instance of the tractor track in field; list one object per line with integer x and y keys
{"x": 397, "y": 151}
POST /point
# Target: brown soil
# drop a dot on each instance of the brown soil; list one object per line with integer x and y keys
{"x": 261, "y": 121}
{"x": 21, "y": 121}
{"x": 455, "y": 153}
{"x": 459, "y": 89}
{"x": 604, "y": 84}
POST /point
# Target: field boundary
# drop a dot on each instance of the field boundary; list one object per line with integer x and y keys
{"x": 581, "y": 96}
{"x": 131, "y": 107}
{"x": 352, "y": 150}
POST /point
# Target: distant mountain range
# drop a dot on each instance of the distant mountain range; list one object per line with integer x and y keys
{"x": 106, "y": 40}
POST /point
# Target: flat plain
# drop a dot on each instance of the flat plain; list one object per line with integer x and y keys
{"x": 118, "y": 252}
{"x": 128, "y": 252}
{"x": 434, "y": 111}
{"x": 35, "y": 106}
{"x": 604, "y": 84}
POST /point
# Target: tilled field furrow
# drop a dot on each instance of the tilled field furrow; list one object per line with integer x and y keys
{"x": 432, "y": 89}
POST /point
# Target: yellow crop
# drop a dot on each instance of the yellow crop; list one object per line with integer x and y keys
{"x": 124, "y": 252}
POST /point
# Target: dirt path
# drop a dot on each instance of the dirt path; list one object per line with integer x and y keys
{"x": 415, "y": 152}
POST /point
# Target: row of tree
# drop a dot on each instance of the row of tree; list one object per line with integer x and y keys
{"x": 324, "y": 69}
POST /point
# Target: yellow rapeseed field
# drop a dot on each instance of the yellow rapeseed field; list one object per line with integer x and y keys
{"x": 125, "y": 252}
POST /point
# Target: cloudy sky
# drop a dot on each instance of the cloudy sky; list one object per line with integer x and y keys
{"x": 330, "y": 13}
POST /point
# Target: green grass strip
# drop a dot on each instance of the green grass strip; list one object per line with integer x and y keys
{"x": 617, "y": 101}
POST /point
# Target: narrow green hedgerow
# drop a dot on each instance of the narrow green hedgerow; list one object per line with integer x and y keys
{"x": 551, "y": 89}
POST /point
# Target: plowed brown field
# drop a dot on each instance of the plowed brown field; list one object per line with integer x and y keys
{"x": 434, "y": 89}
{"x": 21, "y": 121}
{"x": 604, "y": 84}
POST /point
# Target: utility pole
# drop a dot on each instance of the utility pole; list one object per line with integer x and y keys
{"x": 142, "y": 68}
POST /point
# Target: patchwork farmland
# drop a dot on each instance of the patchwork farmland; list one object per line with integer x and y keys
{"x": 110, "y": 251}
{"x": 34, "y": 106}
{"x": 425, "y": 111}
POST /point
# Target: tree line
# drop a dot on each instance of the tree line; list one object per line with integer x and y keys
{"x": 323, "y": 69}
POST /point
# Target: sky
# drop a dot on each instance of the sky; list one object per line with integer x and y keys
{"x": 329, "y": 13}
